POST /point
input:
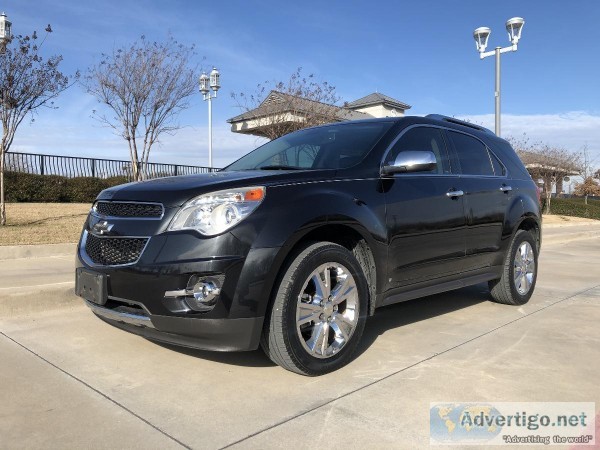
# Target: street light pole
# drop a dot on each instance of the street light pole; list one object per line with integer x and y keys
{"x": 210, "y": 164}
{"x": 208, "y": 84}
{"x": 497, "y": 93}
{"x": 514, "y": 27}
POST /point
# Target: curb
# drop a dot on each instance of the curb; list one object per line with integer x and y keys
{"x": 37, "y": 299}
{"x": 36, "y": 251}
{"x": 562, "y": 239}
{"x": 593, "y": 224}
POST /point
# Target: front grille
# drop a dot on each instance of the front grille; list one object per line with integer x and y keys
{"x": 110, "y": 251}
{"x": 129, "y": 209}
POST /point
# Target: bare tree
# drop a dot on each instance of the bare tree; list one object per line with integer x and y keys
{"x": 144, "y": 86}
{"x": 588, "y": 186}
{"x": 27, "y": 82}
{"x": 278, "y": 108}
{"x": 549, "y": 163}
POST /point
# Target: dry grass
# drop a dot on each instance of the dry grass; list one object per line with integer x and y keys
{"x": 43, "y": 223}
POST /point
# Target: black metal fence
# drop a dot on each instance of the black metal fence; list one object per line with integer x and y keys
{"x": 74, "y": 166}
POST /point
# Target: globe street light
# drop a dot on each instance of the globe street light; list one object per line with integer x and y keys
{"x": 5, "y": 32}
{"x": 214, "y": 84}
{"x": 514, "y": 27}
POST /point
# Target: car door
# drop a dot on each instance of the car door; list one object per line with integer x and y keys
{"x": 487, "y": 195}
{"x": 424, "y": 213}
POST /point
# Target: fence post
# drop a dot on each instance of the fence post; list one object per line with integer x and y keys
{"x": 175, "y": 171}
{"x": 93, "y": 168}
{"x": 42, "y": 164}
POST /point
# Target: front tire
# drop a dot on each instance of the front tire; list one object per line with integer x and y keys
{"x": 319, "y": 311}
{"x": 519, "y": 274}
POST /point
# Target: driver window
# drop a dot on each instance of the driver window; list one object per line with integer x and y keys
{"x": 423, "y": 139}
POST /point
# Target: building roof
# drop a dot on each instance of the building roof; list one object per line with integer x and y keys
{"x": 375, "y": 99}
{"x": 277, "y": 102}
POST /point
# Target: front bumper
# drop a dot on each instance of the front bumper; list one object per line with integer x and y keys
{"x": 137, "y": 301}
{"x": 205, "y": 334}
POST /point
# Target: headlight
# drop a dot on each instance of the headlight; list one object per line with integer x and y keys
{"x": 217, "y": 212}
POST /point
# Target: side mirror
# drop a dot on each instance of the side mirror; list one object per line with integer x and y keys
{"x": 411, "y": 161}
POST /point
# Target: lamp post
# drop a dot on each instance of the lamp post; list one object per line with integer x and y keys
{"x": 214, "y": 84}
{"x": 5, "y": 32}
{"x": 514, "y": 27}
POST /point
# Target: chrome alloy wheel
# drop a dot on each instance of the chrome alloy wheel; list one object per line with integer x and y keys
{"x": 524, "y": 268}
{"x": 328, "y": 309}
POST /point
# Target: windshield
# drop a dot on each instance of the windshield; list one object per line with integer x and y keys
{"x": 330, "y": 147}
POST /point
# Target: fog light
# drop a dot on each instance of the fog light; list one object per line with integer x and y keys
{"x": 204, "y": 294}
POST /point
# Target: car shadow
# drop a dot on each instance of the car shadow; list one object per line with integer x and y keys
{"x": 386, "y": 318}
{"x": 412, "y": 311}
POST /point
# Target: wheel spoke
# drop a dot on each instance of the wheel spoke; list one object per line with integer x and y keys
{"x": 342, "y": 318}
{"x": 518, "y": 257}
{"x": 518, "y": 273}
{"x": 339, "y": 327}
{"x": 308, "y": 312}
{"x": 342, "y": 290}
{"x": 525, "y": 283}
{"x": 529, "y": 254}
{"x": 322, "y": 281}
{"x": 318, "y": 341}
{"x": 320, "y": 288}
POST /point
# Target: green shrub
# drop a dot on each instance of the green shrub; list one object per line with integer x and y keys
{"x": 26, "y": 187}
{"x": 83, "y": 189}
{"x": 576, "y": 207}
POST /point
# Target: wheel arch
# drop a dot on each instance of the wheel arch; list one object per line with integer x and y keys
{"x": 350, "y": 237}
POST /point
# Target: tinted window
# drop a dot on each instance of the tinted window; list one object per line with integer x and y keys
{"x": 499, "y": 169}
{"x": 472, "y": 155}
{"x": 423, "y": 139}
{"x": 329, "y": 147}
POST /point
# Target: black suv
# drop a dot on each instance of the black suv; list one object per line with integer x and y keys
{"x": 292, "y": 246}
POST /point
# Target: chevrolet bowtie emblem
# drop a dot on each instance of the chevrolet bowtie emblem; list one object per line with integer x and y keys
{"x": 102, "y": 227}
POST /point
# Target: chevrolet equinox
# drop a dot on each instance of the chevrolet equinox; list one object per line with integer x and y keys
{"x": 294, "y": 245}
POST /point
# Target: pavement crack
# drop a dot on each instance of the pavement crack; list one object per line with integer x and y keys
{"x": 97, "y": 391}
{"x": 435, "y": 355}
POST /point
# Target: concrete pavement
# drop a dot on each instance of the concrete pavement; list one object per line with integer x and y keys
{"x": 68, "y": 380}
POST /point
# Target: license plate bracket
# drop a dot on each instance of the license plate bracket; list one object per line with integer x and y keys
{"x": 92, "y": 286}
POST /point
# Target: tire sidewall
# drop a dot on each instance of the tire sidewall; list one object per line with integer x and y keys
{"x": 520, "y": 237}
{"x": 322, "y": 255}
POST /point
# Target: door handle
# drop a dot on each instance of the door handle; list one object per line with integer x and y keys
{"x": 455, "y": 194}
{"x": 505, "y": 188}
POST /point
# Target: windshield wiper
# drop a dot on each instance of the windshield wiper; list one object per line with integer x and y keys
{"x": 280, "y": 167}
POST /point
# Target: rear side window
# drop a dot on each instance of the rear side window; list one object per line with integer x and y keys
{"x": 499, "y": 169}
{"x": 472, "y": 154}
{"x": 423, "y": 139}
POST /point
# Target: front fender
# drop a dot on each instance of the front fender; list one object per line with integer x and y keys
{"x": 297, "y": 211}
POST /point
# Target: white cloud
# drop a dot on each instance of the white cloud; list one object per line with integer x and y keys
{"x": 570, "y": 130}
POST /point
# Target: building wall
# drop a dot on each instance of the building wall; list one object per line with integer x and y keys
{"x": 381, "y": 111}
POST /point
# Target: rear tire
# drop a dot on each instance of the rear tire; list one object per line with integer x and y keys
{"x": 519, "y": 274}
{"x": 319, "y": 311}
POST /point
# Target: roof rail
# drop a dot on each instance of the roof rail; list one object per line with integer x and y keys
{"x": 458, "y": 122}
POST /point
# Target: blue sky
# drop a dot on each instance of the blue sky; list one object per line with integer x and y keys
{"x": 421, "y": 53}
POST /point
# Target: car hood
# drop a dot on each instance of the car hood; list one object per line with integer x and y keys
{"x": 175, "y": 191}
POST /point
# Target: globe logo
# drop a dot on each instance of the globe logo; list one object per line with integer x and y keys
{"x": 463, "y": 422}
